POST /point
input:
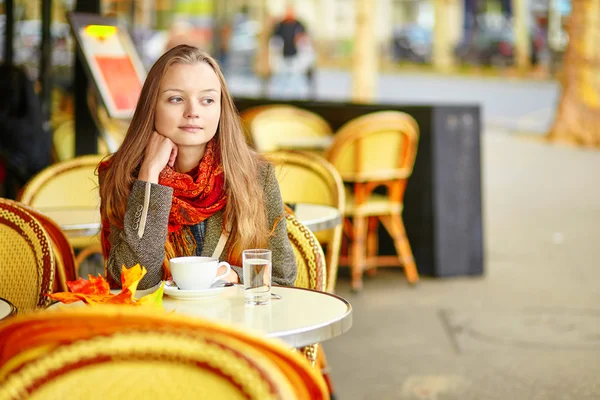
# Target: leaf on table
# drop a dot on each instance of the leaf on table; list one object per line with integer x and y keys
{"x": 125, "y": 297}
{"x": 131, "y": 277}
{"x": 96, "y": 290}
{"x": 90, "y": 299}
{"x": 94, "y": 285}
{"x": 154, "y": 298}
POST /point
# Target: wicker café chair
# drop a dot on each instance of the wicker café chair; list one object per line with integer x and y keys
{"x": 71, "y": 184}
{"x": 110, "y": 351}
{"x": 270, "y": 125}
{"x": 374, "y": 150}
{"x": 64, "y": 258}
{"x": 311, "y": 275}
{"x": 26, "y": 259}
{"x": 309, "y": 255}
{"x": 247, "y": 116}
{"x": 307, "y": 178}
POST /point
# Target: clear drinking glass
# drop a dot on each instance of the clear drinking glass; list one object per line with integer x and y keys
{"x": 257, "y": 276}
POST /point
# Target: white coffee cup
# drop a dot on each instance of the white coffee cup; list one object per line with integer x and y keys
{"x": 196, "y": 273}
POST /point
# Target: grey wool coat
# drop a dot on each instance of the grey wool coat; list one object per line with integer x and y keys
{"x": 144, "y": 233}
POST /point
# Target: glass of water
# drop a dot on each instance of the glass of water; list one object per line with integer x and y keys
{"x": 257, "y": 276}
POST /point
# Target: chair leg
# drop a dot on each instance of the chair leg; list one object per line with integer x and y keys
{"x": 358, "y": 251}
{"x": 372, "y": 246}
{"x": 395, "y": 226}
{"x": 85, "y": 253}
{"x": 324, "y": 368}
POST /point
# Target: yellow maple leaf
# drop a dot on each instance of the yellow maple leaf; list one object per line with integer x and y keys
{"x": 154, "y": 298}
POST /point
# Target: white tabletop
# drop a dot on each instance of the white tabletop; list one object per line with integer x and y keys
{"x": 317, "y": 217}
{"x": 6, "y": 308}
{"x": 75, "y": 221}
{"x": 301, "y": 317}
{"x": 86, "y": 221}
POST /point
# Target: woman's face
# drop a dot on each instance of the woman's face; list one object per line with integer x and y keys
{"x": 189, "y": 104}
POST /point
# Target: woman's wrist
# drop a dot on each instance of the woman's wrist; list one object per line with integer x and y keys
{"x": 148, "y": 175}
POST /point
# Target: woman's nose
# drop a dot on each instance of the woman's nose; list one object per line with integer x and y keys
{"x": 192, "y": 111}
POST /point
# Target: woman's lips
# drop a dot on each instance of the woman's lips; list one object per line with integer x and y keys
{"x": 190, "y": 128}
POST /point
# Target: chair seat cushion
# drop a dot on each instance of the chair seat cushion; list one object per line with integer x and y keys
{"x": 376, "y": 204}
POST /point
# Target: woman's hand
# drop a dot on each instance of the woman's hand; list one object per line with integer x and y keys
{"x": 231, "y": 276}
{"x": 160, "y": 152}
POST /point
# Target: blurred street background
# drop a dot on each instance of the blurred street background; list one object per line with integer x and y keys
{"x": 529, "y": 327}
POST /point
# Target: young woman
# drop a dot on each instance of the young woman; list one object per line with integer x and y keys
{"x": 184, "y": 182}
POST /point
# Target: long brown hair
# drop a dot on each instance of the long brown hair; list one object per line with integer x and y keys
{"x": 245, "y": 212}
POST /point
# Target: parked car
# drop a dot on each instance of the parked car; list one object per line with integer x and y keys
{"x": 495, "y": 47}
{"x": 412, "y": 43}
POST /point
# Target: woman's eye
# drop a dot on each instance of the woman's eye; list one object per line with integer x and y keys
{"x": 208, "y": 101}
{"x": 175, "y": 100}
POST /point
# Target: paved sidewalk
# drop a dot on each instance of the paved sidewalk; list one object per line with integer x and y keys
{"x": 529, "y": 329}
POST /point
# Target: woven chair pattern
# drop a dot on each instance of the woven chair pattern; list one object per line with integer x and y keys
{"x": 198, "y": 366}
{"x": 371, "y": 151}
{"x": 26, "y": 259}
{"x": 64, "y": 258}
{"x": 67, "y": 185}
{"x": 309, "y": 255}
{"x": 247, "y": 116}
{"x": 320, "y": 184}
{"x": 70, "y": 338}
{"x": 268, "y": 126}
{"x": 311, "y": 267}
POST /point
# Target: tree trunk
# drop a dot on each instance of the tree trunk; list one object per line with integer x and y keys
{"x": 578, "y": 115}
{"x": 365, "y": 54}
{"x": 262, "y": 61}
{"x": 522, "y": 42}
{"x": 442, "y": 45}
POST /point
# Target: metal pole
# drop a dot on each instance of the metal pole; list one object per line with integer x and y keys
{"x": 46, "y": 60}
{"x": 10, "y": 32}
{"x": 86, "y": 131}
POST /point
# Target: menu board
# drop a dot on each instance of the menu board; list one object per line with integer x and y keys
{"x": 112, "y": 61}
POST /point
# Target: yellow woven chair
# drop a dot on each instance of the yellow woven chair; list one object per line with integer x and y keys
{"x": 26, "y": 259}
{"x": 68, "y": 185}
{"x": 270, "y": 126}
{"x": 247, "y": 116}
{"x": 371, "y": 151}
{"x": 309, "y": 255}
{"x": 311, "y": 275}
{"x": 307, "y": 178}
{"x": 110, "y": 351}
{"x": 63, "y": 141}
{"x": 64, "y": 258}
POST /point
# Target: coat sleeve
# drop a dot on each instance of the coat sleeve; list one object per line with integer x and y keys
{"x": 283, "y": 259}
{"x": 144, "y": 233}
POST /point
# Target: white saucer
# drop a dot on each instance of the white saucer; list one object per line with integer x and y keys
{"x": 176, "y": 293}
{"x": 6, "y": 309}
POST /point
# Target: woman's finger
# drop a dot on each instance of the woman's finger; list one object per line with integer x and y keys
{"x": 173, "y": 156}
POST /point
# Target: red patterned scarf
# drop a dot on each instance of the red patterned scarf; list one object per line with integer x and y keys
{"x": 197, "y": 195}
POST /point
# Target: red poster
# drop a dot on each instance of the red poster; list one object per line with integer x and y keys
{"x": 121, "y": 81}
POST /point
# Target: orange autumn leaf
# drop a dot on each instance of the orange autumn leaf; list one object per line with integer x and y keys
{"x": 92, "y": 286}
{"x": 125, "y": 297}
{"x": 90, "y": 299}
{"x": 131, "y": 277}
{"x": 97, "y": 291}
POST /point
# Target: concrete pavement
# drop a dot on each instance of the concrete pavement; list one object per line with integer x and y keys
{"x": 528, "y": 329}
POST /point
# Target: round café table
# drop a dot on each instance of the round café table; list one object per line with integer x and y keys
{"x": 7, "y": 309}
{"x": 75, "y": 222}
{"x": 300, "y": 318}
{"x": 317, "y": 217}
{"x": 86, "y": 221}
